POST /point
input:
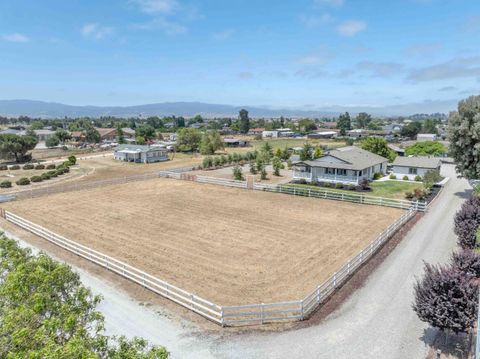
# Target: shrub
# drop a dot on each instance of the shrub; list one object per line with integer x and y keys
{"x": 409, "y": 195}
{"x": 45, "y": 176}
{"x": 52, "y": 173}
{"x": 467, "y": 261}
{"x": 237, "y": 173}
{"x": 5, "y": 184}
{"x": 72, "y": 159}
{"x": 3, "y": 167}
{"x": 302, "y": 181}
{"x": 467, "y": 221}
{"x": 327, "y": 185}
{"x": 28, "y": 166}
{"x": 207, "y": 162}
{"x": 418, "y": 178}
{"x": 393, "y": 177}
{"x": 339, "y": 186}
{"x": 23, "y": 181}
{"x": 377, "y": 175}
{"x": 51, "y": 166}
{"x": 446, "y": 298}
{"x": 15, "y": 167}
{"x": 420, "y": 194}
{"x": 36, "y": 179}
{"x": 40, "y": 167}
{"x": 364, "y": 185}
{"x": 216, "y": 161}
{"x": 405, "y": 178}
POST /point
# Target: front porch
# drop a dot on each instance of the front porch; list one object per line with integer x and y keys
{"x": 334, "y": 176}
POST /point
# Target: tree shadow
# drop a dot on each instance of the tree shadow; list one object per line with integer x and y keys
{"x": 449, "y": 345}
{"x": 465, "y": 194}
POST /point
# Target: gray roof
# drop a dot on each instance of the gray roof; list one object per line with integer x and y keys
{"x": 351, "y": 158}
{"x": 138, "y": 148}
{"x": 420, "y": 162}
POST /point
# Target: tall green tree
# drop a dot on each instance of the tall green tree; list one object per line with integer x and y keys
{"x": 426, "y": 148}
{"x": 92, "y": 135}
{"x": 145, "y": 131}
{"x": 411, "y": 129}
{"x": 211, "y": 142}
{"x": 244, "y": 121}
{"x": 464, "y": 136}
{"x": 378, "y": 146}
{"x": 306, "y": 154}
{"x": 46, "y": 312}
{"x": 62, "y": 135}
{"x": 188, "y": 139}
{"x": 363, "y": 120}
{"x": 344, "y": 123}
{"x": 14, "y": 146}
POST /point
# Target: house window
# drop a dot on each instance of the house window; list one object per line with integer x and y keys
{"x": 330, "y": 171}
{"x": 341, "y": 172}
{"x": 412, "y": 171}
{"x": 359, "y": 173}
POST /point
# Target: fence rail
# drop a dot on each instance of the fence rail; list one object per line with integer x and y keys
{"x": 301, "y": 309}
{"x": 349, "y": 197}
{"x": 186, "y": 299}
{"x": 223, "y": 315}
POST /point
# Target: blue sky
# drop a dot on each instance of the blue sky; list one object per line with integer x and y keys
{"x": 303, "y": 54}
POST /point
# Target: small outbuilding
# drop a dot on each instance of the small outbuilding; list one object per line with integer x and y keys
{"x": 140, "y": 153}
{"x": 415, "y": 166}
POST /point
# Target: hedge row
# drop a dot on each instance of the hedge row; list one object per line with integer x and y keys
{"x": 30, "y": 166}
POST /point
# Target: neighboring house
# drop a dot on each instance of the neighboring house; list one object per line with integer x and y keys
{"x": 12, "y": 131}
{"x": 426, "y": 137}
{"x": 347, "y": 165}
{"x": 44, "y": 135}
{"x": 398, "y": 150}
{"x": 328, "y": 124}
{"x": 78, "y": 136}
{"x": 235, "y": 142}
{"x": 391, "y": 129}
{"x": 357, "y": 133}
{"x": 128, "y": 132}
{"x": 140, "y": 153}
{"x": 107, "y": 134}
{"x": 256, "y": 131}
{"x": 323, "y": 134}
{"x": 414, "y": 166}
{"x": 270, "y": 134}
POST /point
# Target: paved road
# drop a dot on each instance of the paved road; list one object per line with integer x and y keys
{"x": 375, "y": 322}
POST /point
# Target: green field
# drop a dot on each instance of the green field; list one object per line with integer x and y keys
{"x": 387, "y": 189}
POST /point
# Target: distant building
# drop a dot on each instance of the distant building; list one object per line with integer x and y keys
{"x": 128, "y": 132}
{"x": 426, "y": 137}
{"x": 107, "y": 134}
{"x": 235, "y": 142}
{"x": 323, "y": 134}
{"x": 140, "y": 153}
{"x": 256, "y": 131}
{"x": 44, "y": 135}
{"x": 398, "y": 150}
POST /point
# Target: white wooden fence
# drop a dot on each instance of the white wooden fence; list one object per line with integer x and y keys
{"x": 223, "y": 315}
{"x": 342, "y": 196}
{"x": 186, "y": 299}
{"x": 301, "y": 309}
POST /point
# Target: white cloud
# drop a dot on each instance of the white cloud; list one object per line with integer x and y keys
{"x": 315, "y": 20}
{"x": 167, "y": 26}
{"x": 351, "y": 27}
{"x": 422, "y": 49}
{"x": 381, "y": 69}
{"x": 96, "y": 31}
{"x": 223, "y": 35}
{"x": 460, "y": 67}
{"x": 334, "y": 3}
{"x": 157, "y": 6}
{"x": 311, "y": 60}
{"x": 16, "y": 37}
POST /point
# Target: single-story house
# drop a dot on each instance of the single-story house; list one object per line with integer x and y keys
{"x": 426, "y": 137}
{"x": 347, "y": 165}
{"x": 256, "y": 131}
{"x": 357, "y": 133}
{"x": 44, "y": 135}
{"x": 398, "y": 150}
{"x": 414, "y": 166}
{"x": 235, "y": 142}
{"x": 128, "y": 132}
{"x": 140, "y": 153}
{"x": 323, "y": 134}
{"x": 107, "y": 134}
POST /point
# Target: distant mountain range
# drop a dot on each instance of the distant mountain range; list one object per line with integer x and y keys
{"x": 15, "y": 108}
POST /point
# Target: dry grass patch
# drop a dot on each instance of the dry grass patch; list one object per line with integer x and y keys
{"x": 231, "y": 246}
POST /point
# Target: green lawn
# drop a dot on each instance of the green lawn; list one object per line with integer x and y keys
{"x": 387, "y": 189}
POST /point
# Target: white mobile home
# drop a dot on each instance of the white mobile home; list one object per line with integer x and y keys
{"x": 140, "y": 153}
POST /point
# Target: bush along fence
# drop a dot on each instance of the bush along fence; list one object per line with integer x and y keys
{"x": 223, "y": 315}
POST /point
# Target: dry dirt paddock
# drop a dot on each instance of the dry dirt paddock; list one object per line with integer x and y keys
{"x": 231, "y": 246}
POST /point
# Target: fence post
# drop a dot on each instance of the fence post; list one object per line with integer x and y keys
{"x": 222, "y": 317}
{"x": 318, "y": 294}
{"x": 302, "y": 314}
{"x": 261, "y": 312}
{"x": 335, "y": 279}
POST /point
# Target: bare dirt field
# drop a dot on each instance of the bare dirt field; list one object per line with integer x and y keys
{"x": 230, "y": 246}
